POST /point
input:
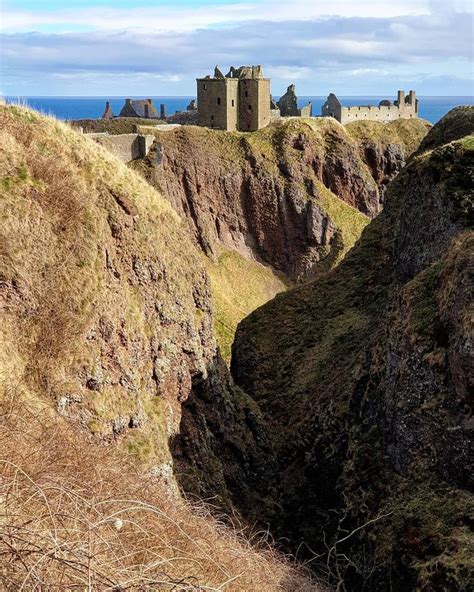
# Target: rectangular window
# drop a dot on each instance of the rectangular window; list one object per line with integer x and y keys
{"x": 212, "y": 117}
{"x": 233, "y": 103}
{"x": 204, "y": 86}
{"x": 218, "y": 100}
{"x": 250, "y": 107}
{"x": 246, "y": 93}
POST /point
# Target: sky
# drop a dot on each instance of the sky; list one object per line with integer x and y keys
{"x": 159, "y": 47}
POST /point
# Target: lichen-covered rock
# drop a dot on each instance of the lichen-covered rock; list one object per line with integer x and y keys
{"x": 364, "y": 378}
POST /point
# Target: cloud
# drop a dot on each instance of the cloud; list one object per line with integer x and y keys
{"x": 293, "y": 41}
{"x": 172, "y": 17}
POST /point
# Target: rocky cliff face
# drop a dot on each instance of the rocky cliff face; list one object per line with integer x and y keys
{"x": 363, "y": 379}
{"x": 108, "y": 312}
{"x": 265, "y": 195}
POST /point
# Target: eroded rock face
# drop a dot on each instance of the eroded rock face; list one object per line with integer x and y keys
{"x": 108, "y": 314}
{"x": 384, "y": 164}
{"x": 363, "y": 378}
{"x": 258, "y": 194}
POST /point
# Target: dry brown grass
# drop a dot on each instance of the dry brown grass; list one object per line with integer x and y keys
{"x": 77, "y": 516}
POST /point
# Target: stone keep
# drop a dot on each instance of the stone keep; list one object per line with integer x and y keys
{"x": 238, "y": 101}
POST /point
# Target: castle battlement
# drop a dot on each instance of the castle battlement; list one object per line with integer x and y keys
{"x": 404, "y": 107}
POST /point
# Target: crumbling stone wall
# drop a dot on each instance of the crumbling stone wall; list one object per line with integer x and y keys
{"x": 288, "y": 105}
{"x": 402, "y": 108}
{"x": 126, "y": 147}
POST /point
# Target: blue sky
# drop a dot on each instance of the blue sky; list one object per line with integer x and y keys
{"x": 153, "y": 47}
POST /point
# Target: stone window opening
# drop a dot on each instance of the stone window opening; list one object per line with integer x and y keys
{"x": 233, "y": 103}
{"x": 218, "y": 100}
{"x": 246, "y": 93}
{"x": 212, "y": 117}
{"x": 250, "y": 107}
{"x": 205, "y": 86}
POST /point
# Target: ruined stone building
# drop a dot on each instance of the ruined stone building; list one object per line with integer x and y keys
{"x": 240, "y": 100}
{"x": 405, "y": 107}
{"x": 143, "y": 108}
{"x": 288, "y": 105}
{"x": 108, "y": 113}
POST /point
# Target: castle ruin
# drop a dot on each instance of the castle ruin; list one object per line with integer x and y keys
{"x": 240, "y": 100}
{"x": 288, "y": 105}
{"x": 405, "y": 107}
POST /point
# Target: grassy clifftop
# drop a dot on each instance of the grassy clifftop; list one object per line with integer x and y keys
{"x": 106, "y": 326}
{"x": 408, "y": 133}
{"x": 119, "y": 125}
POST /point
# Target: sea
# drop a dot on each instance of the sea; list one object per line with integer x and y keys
{"x": 431, "y": 108}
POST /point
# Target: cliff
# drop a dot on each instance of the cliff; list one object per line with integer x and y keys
{"x": 109, "y": 367}
{"x": 363, "y": 377}
{"x": 268, "y": 195}
{"x": 276, "y": 206}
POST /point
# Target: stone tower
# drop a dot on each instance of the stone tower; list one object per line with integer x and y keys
{"x": 238, "y": 101}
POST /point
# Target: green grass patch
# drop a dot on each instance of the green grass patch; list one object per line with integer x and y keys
{"x": 239, "y": 286}
{"x": 349, "y": 221}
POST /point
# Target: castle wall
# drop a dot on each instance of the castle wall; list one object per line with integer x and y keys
{"x": 306, "y": 111}
{"x": 254, "y": 103}
{"x": 218, "y": 103}
{"x": 402, "y": 108}
{"x": 263, "y": 102}
{"x": 383, "y": 113}
{"x": 232, "y": 98}
{"x": 126, "y": 147}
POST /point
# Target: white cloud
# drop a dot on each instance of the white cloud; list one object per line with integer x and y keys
{"x": 177, "y": 18}
{"x": 290, "y": 40}
{"x": 368, "y": 72}
{"x": 289, "y": 73}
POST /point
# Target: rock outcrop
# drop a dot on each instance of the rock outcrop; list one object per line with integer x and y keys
{"x": 363, "y": 377}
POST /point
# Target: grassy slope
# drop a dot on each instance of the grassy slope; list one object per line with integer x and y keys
{"x": 239, "y": 286}
{"x": 56, "y": 196}
{"x": 77, "y": 513}
{"x": 348, "y": 220}
{"x": 409, "y": 133}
